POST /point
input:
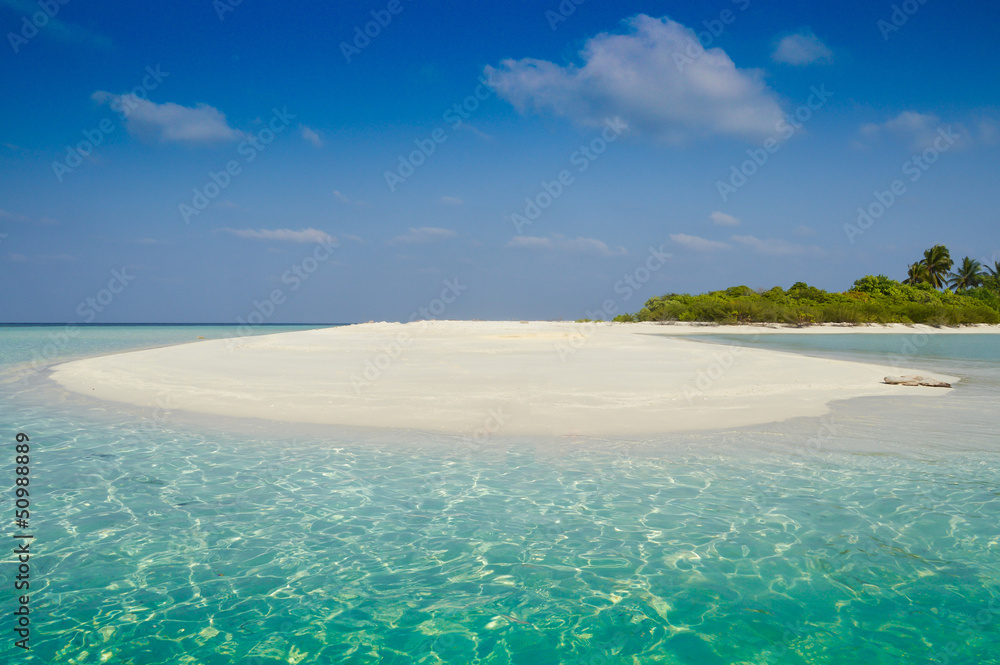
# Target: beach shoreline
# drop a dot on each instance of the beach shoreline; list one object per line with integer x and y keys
{"x": 701, "y": 327}
{"x": 486, "y": 378}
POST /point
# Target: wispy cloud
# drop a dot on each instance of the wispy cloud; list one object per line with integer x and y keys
{"x": 16, "y": 218}
{"x": 802, "y": 48}
{"x": 343, "y": 198}
{"x": 768, "y": 247}
{"x": 988, "y": 131}
{"x": 562, "y": 243}
{"x": 312, "y": 136}
{"x": 465, "y": 126}
{"x": 722, "y": 219}
{"x": 424, "y": 234}
{"x": 284, "y": 235}
{"x": 530, "y": 242}
{"x": 643, "y": 77}
{"x": 151, "y": 241}
{"x": 172, "y": 123}
{"x": 450, "y": 201}
{"x": 698, "y": 244}
{"x": 918, "y": 130}
{"x": 40, "y": 258}
{"x": 775, "y": 246}
{"x": 60, "y": 30}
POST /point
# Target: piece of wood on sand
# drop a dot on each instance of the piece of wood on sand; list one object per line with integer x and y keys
{"x": 915, "y": 381}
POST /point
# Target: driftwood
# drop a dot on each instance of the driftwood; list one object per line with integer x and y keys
{"x": 915, "y": 381}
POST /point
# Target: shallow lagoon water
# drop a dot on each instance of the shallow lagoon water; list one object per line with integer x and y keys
{"x": 871, "y": 535}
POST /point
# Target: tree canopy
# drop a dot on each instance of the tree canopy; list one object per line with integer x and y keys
{"x": 974, "y": 297}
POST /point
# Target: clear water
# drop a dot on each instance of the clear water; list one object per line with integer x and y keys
{"x": 871, "y": 535}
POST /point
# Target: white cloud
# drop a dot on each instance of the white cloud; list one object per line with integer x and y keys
{"x": 284, "y": 235}
{"x": 989, "y": 131}
{"x": 169, "y": 122}
{"x": 424, "y": 234}
{"x": 54, "y": 27}
{"x": 590, "y": 245}
{"x": 918, "y": 130}
{"x": 40, "y": 258}
{"x": 646, "y": 77}
{"x": 913, "y": 123}
{"x": 562, "y": 243}
{"x": 802, "y": 48}
{"x": 349, "y": 201}
{"x": 25, "y": 219}
{"x": 310, "y": 134}
{"x": 774, "y": 246}
{"x": 769, "y": 247}
{"x": 722, "y": 219}
{"x": 450, "y": 201}
{"x": 530, "y": 242}
{"x": 696, "y": 244}
{"x": 469, "y": 128}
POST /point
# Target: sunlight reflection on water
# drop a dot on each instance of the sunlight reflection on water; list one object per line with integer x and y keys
{"x": 869, "y": 535}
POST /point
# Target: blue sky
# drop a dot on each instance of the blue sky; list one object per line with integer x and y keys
{"x": 494, "y": 160}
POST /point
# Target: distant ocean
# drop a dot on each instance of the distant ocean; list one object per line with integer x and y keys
{"x": 870, "y": 535}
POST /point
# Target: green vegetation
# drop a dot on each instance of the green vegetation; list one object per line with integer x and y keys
{"x": 937, "y": 262}
{"x": 968, "y": 276}
{"x": 974, "y": 297}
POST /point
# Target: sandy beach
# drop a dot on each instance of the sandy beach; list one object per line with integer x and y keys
{"x": 485, "y": 378}
{"x": 686, "y": 328}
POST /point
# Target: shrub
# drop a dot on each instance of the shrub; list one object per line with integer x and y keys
{"x": 736, "y": 291}
{"x": 872, "y": 299}
{"x": 877, "y": 285}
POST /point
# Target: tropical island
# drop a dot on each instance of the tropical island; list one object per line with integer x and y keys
{"x": 935, "y": 292}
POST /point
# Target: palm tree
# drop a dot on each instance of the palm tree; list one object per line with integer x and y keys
{"x": 994, "y": 270}
{"x": 917, "y": 274}
{"x": 938, "y": 262}
{"x": 968, "y": 275}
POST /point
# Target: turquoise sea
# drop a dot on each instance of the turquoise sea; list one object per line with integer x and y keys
{"x": 870, "y": 535}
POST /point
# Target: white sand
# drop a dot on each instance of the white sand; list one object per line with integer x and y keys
{"x": 470, "y": 378}
{"x": 682, "y": 328}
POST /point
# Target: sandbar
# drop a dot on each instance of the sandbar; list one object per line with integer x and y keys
{"x": 485, "y": 378}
